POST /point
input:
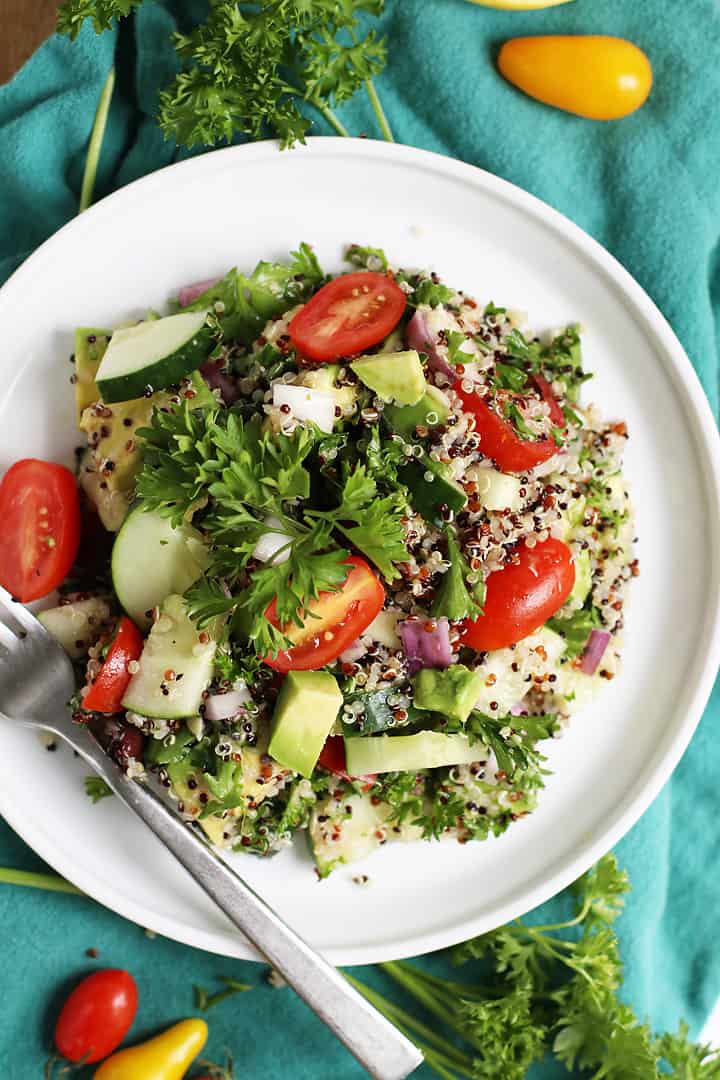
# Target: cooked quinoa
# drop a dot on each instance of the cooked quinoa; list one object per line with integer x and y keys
{"x": 442, "y": 567}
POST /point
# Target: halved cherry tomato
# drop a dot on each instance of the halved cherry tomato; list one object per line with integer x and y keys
{"x": 109, "y": 686}
{"x": 523, "y": 596}
{"x": 348, "y": 315}
{"x": 332, "y": 755}
{"x": 97, "y": 1016}
{"x": 39, "y": 527}
{"x": 500, "y": 441}
{"x": 545, "y": 390}
{"x": 332, "y": 758}
{"x": 334, "y": 621}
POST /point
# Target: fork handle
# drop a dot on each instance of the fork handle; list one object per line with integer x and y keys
{"x": 381, "y": 1049}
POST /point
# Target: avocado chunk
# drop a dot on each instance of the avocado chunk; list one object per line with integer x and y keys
{"x": 90, "y": 346}
{"x": 306, "y": 710}
{"x": 347, "y": 831}
{"x": 77, "y": 625}
{"x": 405, "y": 753}
{"x": 432, "y": 409}
{"x": 396, "y": 376}
{"x": 583, "y": 578}
{"x": 108, "y": 470}
{"x": 451, "y": 691}
{"x": 325, "y": 378}
{"x": 427, "y": 496}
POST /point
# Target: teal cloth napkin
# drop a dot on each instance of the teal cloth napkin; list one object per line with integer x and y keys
{"x": 647, "y": 188}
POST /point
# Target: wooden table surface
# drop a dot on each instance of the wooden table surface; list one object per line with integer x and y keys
{"x": 24, "y": 24}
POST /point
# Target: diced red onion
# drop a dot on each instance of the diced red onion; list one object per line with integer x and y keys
{"x": 188, "y": 293}
{"x": 426, "y": 643}
{"x": 217, "y": 379}
{"x": 594, "y": 650}
{"x": 518, "y": 710}
{"x": 223, "y": 706}
{"x": 354, "y": 651}
{"x": 418, "y": 336}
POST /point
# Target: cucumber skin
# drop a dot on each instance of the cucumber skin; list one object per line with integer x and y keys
{"x": 162, "y": 374}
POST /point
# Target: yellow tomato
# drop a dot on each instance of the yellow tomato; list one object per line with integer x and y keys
{"x": 166, "y": 1057}
{"x": 520, "y": 5}
{"x": 599, "y": 77}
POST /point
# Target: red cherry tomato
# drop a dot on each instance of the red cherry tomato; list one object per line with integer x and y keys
{"x": 97, "y": 1016}
{"x": 347, "y": 315}
{"x": 523, "y": 596}
{"x": 332, "y": 758}
{"x": 109, "y": 686}
{"x": 500, "y": 441}
{"x": 546, "y": 393}
{"x": 339, "y": 618}
{"x": 39, "y": 527}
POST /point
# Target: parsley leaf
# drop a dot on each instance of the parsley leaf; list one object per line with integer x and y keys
{"x": 509, "y": 377}
{"x": 512, "y": 738}
{"x": 689, "y": 1061}
{"x": 244, "y": 303}
{"x": 432, "y": 293}
{"x": 250, "y": 66}
{"x": 576, "y": 630}
{"x": 453, "y": 598}
{"x": 72, "y": 15}
{"x": 96, "y": 788}
{"x": 373, "y": 524}
{"x": 179, "y": 461}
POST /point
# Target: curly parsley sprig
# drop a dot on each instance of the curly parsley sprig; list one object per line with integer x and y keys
{"x": 539, "y": 991}
{"x": 250, "y": 67}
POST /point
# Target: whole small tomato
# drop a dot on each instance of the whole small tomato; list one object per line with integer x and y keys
{"x": 96, "y": 1016}
{"x": 592, "y": 75}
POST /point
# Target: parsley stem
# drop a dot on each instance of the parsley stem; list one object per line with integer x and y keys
{"x": 407, "y": 976}
{"x": 205, "y": 1001}
{"x": 95, "y": 145}
{"x": 379, "y": 111}
{"x": 452, "y": 1057}
{"x": 580, "y": 917}
{"x": 333, "y": 120}
{"x": 50, "y": 882}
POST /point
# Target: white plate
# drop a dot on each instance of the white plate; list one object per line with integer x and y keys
{"x": 233, "y": 207}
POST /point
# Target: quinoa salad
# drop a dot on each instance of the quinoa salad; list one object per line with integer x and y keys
{"x": 343, "y": 552}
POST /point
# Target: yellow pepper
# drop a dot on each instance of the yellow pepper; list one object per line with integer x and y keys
{"x": 599, "y": 77}
{"x": 166, "y": 1057}
{"x": 520, "y": 5}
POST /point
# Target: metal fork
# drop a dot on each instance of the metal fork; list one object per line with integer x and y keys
{"x": 36, "y": 680}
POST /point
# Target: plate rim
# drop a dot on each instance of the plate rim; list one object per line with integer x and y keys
{"x": 677, "y": 367}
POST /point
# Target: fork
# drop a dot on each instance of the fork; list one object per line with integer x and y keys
{"x": 36, "y": 679}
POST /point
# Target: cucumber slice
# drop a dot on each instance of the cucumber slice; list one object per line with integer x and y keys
{"x": 151, "y": 560}
{"x": 338, "y": 837}
{"x": 153, "y": 355}
{"x": 78, "y": 625}
{"x": 173, "y": 645}
{"x": 405, "y": 753}
{"x": 498, "y": 491}
{"x": 431, "y": 486}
